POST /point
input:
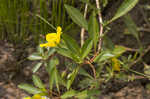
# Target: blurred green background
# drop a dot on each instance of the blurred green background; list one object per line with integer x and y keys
{"x": 19, "y": 23}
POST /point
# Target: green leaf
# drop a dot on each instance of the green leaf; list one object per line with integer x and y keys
{"x": 93, "y": 29}
{"x": 37, "y": 82}
{"x": 132, "y": 28}
{"x": 52, "y": 64}
{"x": 76, "y": 16}
{"x": 85, "y": 73}
{"x": 40, "y": 50}
{"x": 118, "y": 50}
{"x": 46, "y": 21}
{"x": 85, "y": 1}
{"x": 35, "y": 56}
{"x": 107, "y": 43}
{"x": 30, "y": 88}
{"x": 103, "y": 56}
{"x": 71, "y": 44}
{"x": 36, "y": 67}
{"x": 51, "y": 51}
{"x": 68, "y": 94}
{"x": 72, "y": 77}
{"x": 86, "y": 83}
{"x": 105, "y": 2}
{"x": 53, "y": 73}
{"x": 51, "y": 78}
{"x": 87, "y": 94}
{"x": 93, "y": 92}
{"x": 65, "y": 52}
{"x": 82, "y": 95}
{"x": 85, "y": 50}
{"x": 56, "y": 79}
{"x": 125, "y": 7}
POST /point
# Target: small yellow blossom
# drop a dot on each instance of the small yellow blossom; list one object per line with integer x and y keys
{"x": 115, "y": 64}
{"x": 52, "y": 38}
{"x": 27, "y": 98}
{"x": 37, "y": 96}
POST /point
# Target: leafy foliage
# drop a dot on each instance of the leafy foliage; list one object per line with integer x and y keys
{"x": 84, "y": 68}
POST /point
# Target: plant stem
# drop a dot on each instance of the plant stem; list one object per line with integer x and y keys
{"x": 101, "y": 26}
{"x": 138, "y": 73}
{"x": 140, "y": 57}
{"x": 83, "y": 30}
{"x": 93, "y": 69}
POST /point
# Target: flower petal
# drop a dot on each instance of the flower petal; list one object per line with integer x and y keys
{"x": 51, "y": 44}
{"x": 115, "y": 64}
{"x": 44, "y": 45}
{"x": 37, "y": 96}
{"x": 27, "y": 98}
{"x": 59, "y": 29}
{"x": 51, "y": 36}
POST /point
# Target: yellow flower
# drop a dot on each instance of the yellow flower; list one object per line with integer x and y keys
{"x": 115, "y": 64}
{"x": 44, "y": 98}
{"x": 37, "y": 96}
{"x": 27, "y": 98}
{"x": 52, "y": 38}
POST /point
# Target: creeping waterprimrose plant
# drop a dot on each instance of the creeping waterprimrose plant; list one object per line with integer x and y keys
{"x": 85, "y": 65}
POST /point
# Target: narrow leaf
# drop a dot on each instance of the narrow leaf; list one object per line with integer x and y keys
{"x": 76, "y": 16}
{"x": 93, "y": 92}
{"x": 103, "y": 56}
{"x": 36, "y": 67}
{"x": 56, "y": 79}
{"x": 118, "y": 50}
{"x": 132, "y": 28}
{"x": 82, "y": 95}
{"x": 40, "y": 50}
{"x": 35, "y": 56}
{"x": 64, "y": 52}
{"x": 125, "y": 7}
{"x": 29, "y": 88}
{"x": 68, "y": 94}
{"x": 52, "y": 70}
{"x": 93, "y": 29}
{"x": 46, "y": 21}
{"x": 85, "y": 50}
{"x": 51, "y": 79}
{"x": 72, "y": 77}
{"x": 85, "y": 73}
{"x": 51, "y": 51}
{"x": 37, "y": 82}
{"x": 71, "y": 44}
{"x": 107, "y": 43}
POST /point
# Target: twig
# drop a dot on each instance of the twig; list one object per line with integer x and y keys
{"x": 144, "y": 29}
{"x": 138, "y": 73}
{"x": 100, "y": 32}
{"x": 140, "y": 57}
{"x": 92, "y": 59}
{"x": 93, "y": 69}
{"x": 144, "y": 16}
{"x": 136, "y": 61}
{"x": 53, "y": 93}
{"x": 101, "y": 26}
{"x": 131, "y": 49}
{"x": 83, "y": 30}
